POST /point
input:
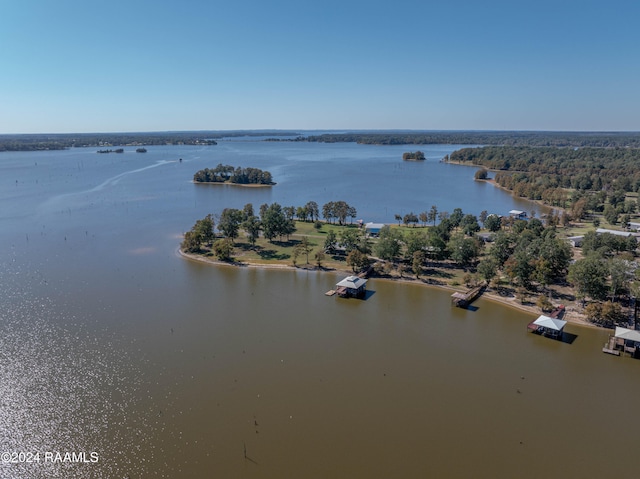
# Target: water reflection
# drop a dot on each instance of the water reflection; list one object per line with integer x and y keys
{"x": 64, "y": 390}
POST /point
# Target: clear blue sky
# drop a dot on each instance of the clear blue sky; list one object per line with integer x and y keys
{"x": 138, "y": 65}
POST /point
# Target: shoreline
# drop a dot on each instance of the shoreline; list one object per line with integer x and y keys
{"x": 492, "y": 181}
{"x": 228, "y": 183}
{"x": 571, "y": 315}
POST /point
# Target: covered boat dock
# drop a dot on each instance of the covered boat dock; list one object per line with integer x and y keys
{"x": 547, "y": 326}
{"x": 623, "y": 341}
{"x": 352, "y": 286}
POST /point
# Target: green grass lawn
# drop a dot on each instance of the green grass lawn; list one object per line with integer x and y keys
{"x": 280, "y": 251}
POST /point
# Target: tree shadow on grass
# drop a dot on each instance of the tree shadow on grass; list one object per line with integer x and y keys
{"x": 264, "y": 253}
{"x": 247, "y": 247}
{"x": 437, "y": 273}
{"x": 567, "y": 297}
{"x": 285, "y": 244}
{"x": 272, "y": 254}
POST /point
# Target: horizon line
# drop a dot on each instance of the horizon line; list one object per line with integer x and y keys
{"x": 332, "y": 130}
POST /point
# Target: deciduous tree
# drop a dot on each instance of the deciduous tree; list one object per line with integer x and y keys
{"x": 357, "y": 260}
{"x": 223, "y": 248}
{"x": 463, "y": 250}
{"x": 588, "y": 276}
{"x": 229, "y": 224}
{"x": 389, "y": 244}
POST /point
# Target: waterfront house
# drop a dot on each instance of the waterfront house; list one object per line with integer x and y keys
{"x": 351, "y": 286}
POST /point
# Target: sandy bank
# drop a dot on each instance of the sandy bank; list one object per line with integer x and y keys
{"x": 225, "y": 183}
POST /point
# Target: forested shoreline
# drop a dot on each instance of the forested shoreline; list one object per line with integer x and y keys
{"x": 497, "y": 138}
{"x": 37, "y": 142}
{"x": 59, "y": 141}
{"x": 584, "y": 181}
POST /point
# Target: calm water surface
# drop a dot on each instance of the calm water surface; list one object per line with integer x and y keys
{"x": 110, "y": 342}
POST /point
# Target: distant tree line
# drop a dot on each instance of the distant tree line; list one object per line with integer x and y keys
{"x": 33, "y": 142}
{"x": 580, "y": 179}
{"x": 586, "y": 169}
{"x": 61, "y": 141}
{"x": 502, "y": 138}
{"x": 229, "y": 174}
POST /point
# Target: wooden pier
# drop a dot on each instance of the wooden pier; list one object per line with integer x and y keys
{"x": 366, "y": 272}
{"x": 624, "y": 341}
{"x": 463, "y": 300}
{"x": 613, "y": 346}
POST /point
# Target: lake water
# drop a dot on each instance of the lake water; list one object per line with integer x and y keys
{"x": 111, "y": 343}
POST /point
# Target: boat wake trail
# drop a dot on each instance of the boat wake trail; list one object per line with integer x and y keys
{"x": 113, "y": 180}
{"x": 56, "y": 200}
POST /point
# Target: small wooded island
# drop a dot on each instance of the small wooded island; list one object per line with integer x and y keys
{"x": 413, "y": 156}
{"x": 234, "y": 175}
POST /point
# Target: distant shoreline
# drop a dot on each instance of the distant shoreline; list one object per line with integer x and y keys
{"x": 228, "y": 183}
{"x": 492, "y": 181}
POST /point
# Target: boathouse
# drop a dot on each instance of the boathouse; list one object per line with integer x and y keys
{"x": 623, "y": 340}
{"x": 351, "y": 286}
{"x": 547, "y": 326}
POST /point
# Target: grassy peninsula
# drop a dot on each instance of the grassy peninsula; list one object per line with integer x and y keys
{"x": 526, "y": 263}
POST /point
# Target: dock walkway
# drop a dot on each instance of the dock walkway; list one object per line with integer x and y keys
{"x": 463, "y": 300}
